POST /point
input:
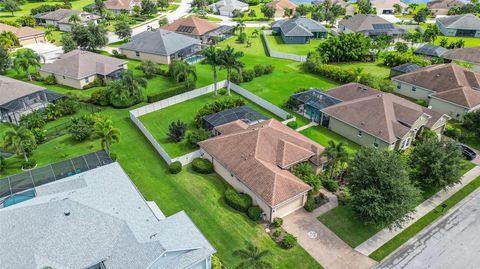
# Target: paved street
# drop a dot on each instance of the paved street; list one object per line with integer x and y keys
{"x": 453, "y": 241}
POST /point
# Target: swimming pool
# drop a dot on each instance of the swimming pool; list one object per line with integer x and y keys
{"x": 194, "y": 59}
{"x": 19, "y": 197}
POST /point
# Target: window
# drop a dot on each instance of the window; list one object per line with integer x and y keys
{"x": 414, "y": 89}
{"x": 375, "y": 142}
{"x": 137, "y": 53}
{"x": 359, "y": 133}
{"x": 87, "y": 80}
{"x": 399, "y": 87}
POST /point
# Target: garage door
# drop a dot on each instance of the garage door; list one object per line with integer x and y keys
{"x": 289, "y": 208}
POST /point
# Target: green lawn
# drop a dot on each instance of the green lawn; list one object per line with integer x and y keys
{"x": 344, "y": 223}
{"x": 172, "y": 7}
{"x": 276, "y": 44}
{"x": 184, "y": 112}
{"x": 422, "y": 223}
{"x": 76, "y": 5}
{"x": 322, "y": 135}
{"x": 375, "y": 68}
{"x": 469, "y": 41}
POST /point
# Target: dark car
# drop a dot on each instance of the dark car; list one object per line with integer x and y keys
{"x": 468, "y": 153}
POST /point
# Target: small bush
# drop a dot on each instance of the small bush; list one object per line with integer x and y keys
{"x": 118, "y": 55}
{"x": 238, "y": 201}
{"x": 202, "y": 166}
{"x": 268, "y": 69}
{"x": 259, "y": 70}
{"x": 236, "y": 77}
{"x": 100, "y": 97}
{"x": 113, "y": 156}
{"x": 248, "y": 75}
{"x": 81, "y": 127}
{"x": 331, "y": 185}
{"x": 293, "y": 124}
{"x": 453, "y": 132}
{"x": 344, "y": 196}
{"x": 254, "y": 213}
{"x": 66, "y": 106}
{"x": 50, "y": 80}
{"x": 175, "y": 167}
{"x": 197, "y": 135}
{"x": 32, "y": 120}
{"x": 176, "y": 131}
{"x": 29, "y": 164}
{"x": 277, "y": 222}
{"x": 277, "y": 233}
{"x": 310, "y": 204}
{"x": 40, "y": 135}
{"x": 97, "y": 82}
{"x": 289, "y": 241}
{"x": 216, "y": 264}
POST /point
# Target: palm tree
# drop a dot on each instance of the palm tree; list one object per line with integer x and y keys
{"x": 108, "y": 134}
{"x": 335, "y": 153}
{"x": 252, "y": 257}
{"x": 240, "y": 26}
{"x": 18, "y": 140}
{"x": 229, "y": 60}
{"x": 24, "y": 59}
{"x": 74, "y": 19}
{"x": 133, "y": 84}
{"x": 212, "y": 57}
{"x": 8, "y": 40}
{"x": 255, "y": 32}
{"x": 358, "y": 74}
{"x": 181, "y": 71}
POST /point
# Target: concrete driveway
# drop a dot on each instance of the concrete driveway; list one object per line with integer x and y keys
{"x": 453, "y": 241}
{"x": 48, "y": 51}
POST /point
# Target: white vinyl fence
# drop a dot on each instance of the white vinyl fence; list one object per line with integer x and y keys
{"x": 281, "y": 55}
{"x": 187, "y": 158}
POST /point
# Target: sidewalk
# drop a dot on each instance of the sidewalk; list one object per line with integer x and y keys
{"x": 386, "y": 234}
{"x": 311, "y": 124}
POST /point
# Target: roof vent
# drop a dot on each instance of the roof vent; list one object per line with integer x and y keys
{"x": 66, "y": 213}
{"x": 437, "y": 75}
{"x": 153, "y": 235}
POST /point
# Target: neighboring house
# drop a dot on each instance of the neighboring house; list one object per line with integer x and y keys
{"x": 18, "y": 98}
{"x": 403, "y": 69}
{"x": 61, "y": 18}
{"x": 465, "y": 55}
{"x": 25, "y": 35}
{"x": 448, "y": 88}
{"x": 441, "y": 7}
{"x": 257, "y": 159}
{"x": 465, "y": 25}
{"x": 161, "y": 46}
{"x": 95, "y": 219}
{"x": 371, "y": 118}
{"x": 299, "y": 30}
{"x": 388, "y": 6}
{"x": 430, "y": 51}
{"x": 349, "y": 8}
{"x": 199, "y": 28}
{"x": 117, "y": 6}
{"x": 280, "y": 6}
{"x": 243, "y": 113}
{"x": 79, "y": 68}
{"x": 370, "y": 25}
{"x": 226, "y": 7}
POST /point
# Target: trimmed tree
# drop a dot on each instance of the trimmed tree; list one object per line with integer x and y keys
{"x": 382, "y": 193}
{"x": 68, "y": 43}
{"x": 24, "y": 60}
{"x": 252, "y": 257}
{"x": 122, "y": 30}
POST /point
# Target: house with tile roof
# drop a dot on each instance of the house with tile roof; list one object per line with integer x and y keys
{"x": 95, "y": 219}
{"x": 78, "y": 68}
{"x": 25, "y": 35}
{"x": 226, "y": 7}
{"x": 369, "y": 25}
{"x": 198, "y": 28}
{"x": 117, "y": 6}
{"x": 373, "y": 118}
{"x": 299, "y": 30}
{"x": 280, "y": 6}
{"x": 61, "y": 18}
{"x": 448, "y": 88}
{"x": 466, "y": 25}
{"x": 441, "y": 7}
{"x": 349, "y": 8}
{"x": 464, "y": 55}
{"x": 388, "y": 6}
{"x": 161, "y": 46}
{"x": 257, "y": 159}
{"x": 18, "y": 98}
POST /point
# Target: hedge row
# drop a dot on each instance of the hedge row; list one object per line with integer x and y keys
{"x": 239, "y": 201}
{"x": 202, "y": 166}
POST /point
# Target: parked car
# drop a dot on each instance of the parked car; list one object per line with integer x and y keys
{"x": 468, "y": 153}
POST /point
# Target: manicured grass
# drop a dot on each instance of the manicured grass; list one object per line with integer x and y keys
{"x": 375, "y": 68}
{"x": 184, "y": 112}
{"x": 276, "y": 44}
{"x": 470, "y": 139}
{"x": 322, "y": 135}
{"x": 423, "y": 222}
{"x": 344, "y": 223}
{"x": 469, "y": 41}
{"x": 28, "y": 6}
{"x": 172, "y": 7}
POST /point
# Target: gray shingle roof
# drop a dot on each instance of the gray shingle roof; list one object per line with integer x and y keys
{"x": 369, "y": 23}
{"x": 464, "y": 21}
{"x": 430, "y": 50}
{"x": 405, "y": 68}
{"x": 116, "y": 227}
{"x": 79, "y": 64}
{"x": 229, "y": 5}
{"x": 300, "y": 26}
{"x": 11, "y": 89}
{"x": 161, "y": 42}
{"x": 63, "y": 15}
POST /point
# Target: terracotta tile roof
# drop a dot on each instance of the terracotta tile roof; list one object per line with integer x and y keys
{"x": 383, "y": 115}
{"x": 471, "y": 55}
{"x": 280, "y": 6}
{"x": 255, "y": 155}
{"x": 464, "y": 96}
{"x": 121, "y": 4}
{"x": 441, "y": 77}
{"x": 21, "y": 32}
{"x": 185, "y": 25}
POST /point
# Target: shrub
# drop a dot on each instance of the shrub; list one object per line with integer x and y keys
{"x": 394, "y": 58}
{"x": 50, "y": 80}
{"x": 2, "y": 164}
{"x": 117, "y": 54}
{"x": 33, "y": 120}
{"x": 215, "y": 107}
{"x": 166, "y": 94}
{"x": 100, "y": 97}
{"x": 248, "y": 75}
{"x": 197, "y": 135}
{"x": 148, "y": 68}
{"x": 268, "y": 69}
{"x": 277, "y": 233}
{"x": 277, "y": 222}
{"x": 259, "y": 70}
{"x": 453, "y": 132}
{"x": 113, "y": 156}
{"x": 254, "y": 213}
{"x": 97, "y": 82}
{"x": 176, "y": 131}
{"x": 238, "y": 201}
{"x": 202, "y": 166}
{"x": 31, "y": 163}
{"x": 216, "y": 264}
{"x": 331, "y": 185}
{"x": 289, "y": 241}
{"x": 310, "y": 204}
{"x": 303, "y": 170}
{"x": 126, "y": 102}
{"x": 293, "y": 124}
{"x": 344, "y": 196}
{"x": 236, "y": 77}
{"x": 66, "y": 106}
{"x": 175, "y": 167}
{"x": 81, "y": 127}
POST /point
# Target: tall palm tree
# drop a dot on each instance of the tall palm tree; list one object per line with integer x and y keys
{"x": 18, "y": 140}
{"x": 253, "y": 257}
{"x": 74, "y": 18}
{"x": 181, "y": 71}
{"x": 133, "y": 84}
{"x": 255, "y": 32}
{"x": 212, "y": 57}
{"x": 229, "y": 59}
{"x": 8, "y": 40}
{"x": 240, "y": 26}
{"x": 24, "y": 59}
{"x": 335, "y": 153}
{"x": 108, "y": 134}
